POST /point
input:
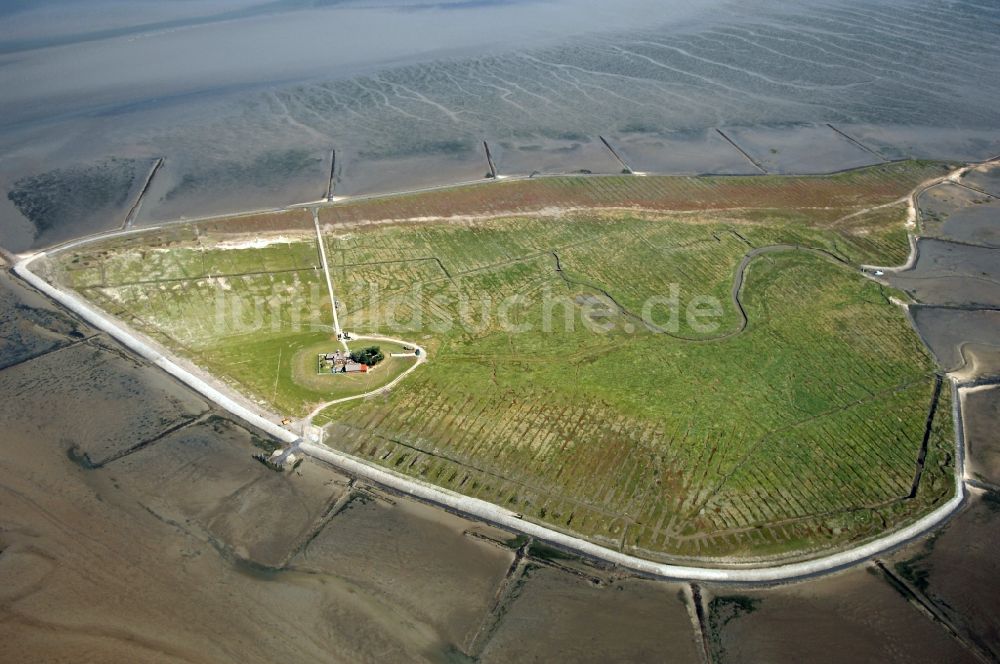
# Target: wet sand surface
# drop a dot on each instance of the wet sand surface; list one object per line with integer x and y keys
{"x": 89, "y": 574}
{"x": 800, "y": 149}
{"x": 681, "y": 152}
{"x": 949, "y": 273}
{"x": 358, "y": 175}
{"x": 28, "y": 326}
{"x": 188, "y": 187}
{"x": 978, "y": 223}
{"x": 953, "y": 212}
{"x": 556, "y": 616}
{"x": 415, "y": 559}
{"x": 926, "y": 142}
{"x": 985, "y": 178}
{"x": 561, "y": 155}
{"x": 112, "y": 401}
{"x": 982, "y": 436}
{"x": 956, "y": 571}
{"x": 964, "y": 341}
{"x": 854, "y": 616}
{"x": 204, "y": 476}
{"x": 52, "y": 206}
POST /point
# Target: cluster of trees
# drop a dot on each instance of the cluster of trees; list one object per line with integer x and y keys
{"x": 370, "y": 356}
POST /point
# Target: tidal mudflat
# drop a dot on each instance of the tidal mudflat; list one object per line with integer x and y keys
{"x": 70, "y": 201}
{"x": 951, "y": 211}
{"x": 855, "y": 616}
{"x": 901, "y": 141}
{"x": 982, "y": 439}
{"x": 953, "y": 571}
{"x": 114, "y": 404}
{"x": 196, "y": 186}
{"x": 279, "y": 87}
{"x": 569, "y": 153}
{"x": 985, "y": 178}
{"x": 205, "y": 477}
{"x": 955, "y": 277}
{"x": 92, "y": 572}
{"x": 801, "y": 148}
{"x": 692, "y": 152}
{"x": 948, "y": 273}
{"x": 964, "y": 341}
{"x": 358, "y": 174}
{"x": 554, "y": 615}
{"x": 415, "y": 560}
{"x": 30, "y": 325}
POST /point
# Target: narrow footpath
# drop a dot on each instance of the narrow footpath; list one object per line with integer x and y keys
{"x": 329, "y": 281}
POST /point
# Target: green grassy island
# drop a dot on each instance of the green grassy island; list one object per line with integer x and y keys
{"x": 680, "y": 368}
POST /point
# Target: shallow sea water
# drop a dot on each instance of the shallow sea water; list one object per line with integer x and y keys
{"x": 244, "y": 101}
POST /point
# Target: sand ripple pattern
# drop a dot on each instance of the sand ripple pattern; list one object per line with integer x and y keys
{"x": 923, "y": 63}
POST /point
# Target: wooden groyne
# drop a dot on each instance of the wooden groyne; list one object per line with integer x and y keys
{"x": 857, "y": 142}
{"x": 489, "y": 160}
{"x": 333, "y": 175}
{"x": 743, "y": 152}
{"x": 625, "y": 167}
{"x": 134, "y": 210}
